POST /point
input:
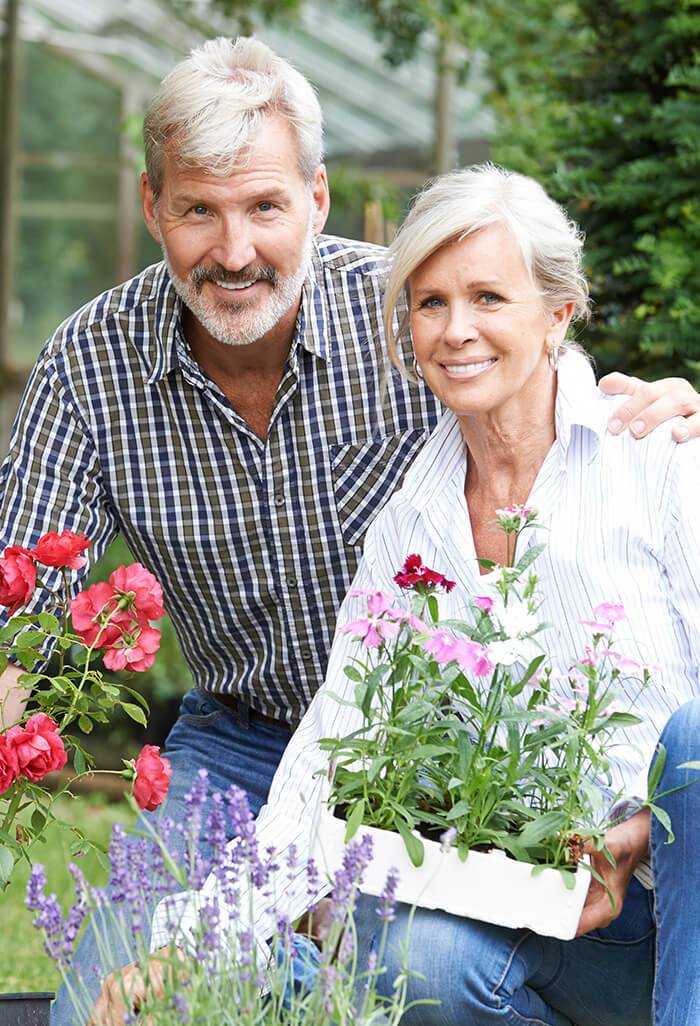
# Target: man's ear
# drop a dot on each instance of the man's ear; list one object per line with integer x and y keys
{"x": 321, "y": 199}
{"x": 148, "y": 205}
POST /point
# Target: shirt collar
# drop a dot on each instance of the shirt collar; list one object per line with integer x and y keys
{"x": 167, "y": 343}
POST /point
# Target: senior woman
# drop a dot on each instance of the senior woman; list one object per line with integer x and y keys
{"x": 491, "y": 269}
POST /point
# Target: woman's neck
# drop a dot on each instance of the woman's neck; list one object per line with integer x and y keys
{"x": 507, "y": 448}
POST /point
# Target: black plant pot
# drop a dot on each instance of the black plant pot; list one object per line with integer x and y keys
{"x": 25, "y": 1009}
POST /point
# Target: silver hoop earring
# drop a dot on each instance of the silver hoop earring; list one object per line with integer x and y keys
{"x": 417, "y": 372}
{"x": 554, "y": 357}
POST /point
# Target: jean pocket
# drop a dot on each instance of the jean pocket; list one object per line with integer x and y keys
{"x": 199, "y": 710}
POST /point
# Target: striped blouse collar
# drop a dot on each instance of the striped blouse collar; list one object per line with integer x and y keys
{"x": 579, "y": 404}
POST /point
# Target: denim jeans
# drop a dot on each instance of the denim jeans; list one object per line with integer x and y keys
{"x": 206, "y": 735}
{"x": 642, "y": 969}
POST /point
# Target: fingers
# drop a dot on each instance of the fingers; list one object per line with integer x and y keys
{"x": 652, "y": 404}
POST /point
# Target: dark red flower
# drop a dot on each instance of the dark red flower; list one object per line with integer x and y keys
{"x": 17, "y": 577}
{"x": 62, "y": 549}
{"x": 413, "y": 575}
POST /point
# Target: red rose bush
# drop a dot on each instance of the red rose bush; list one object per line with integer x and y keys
{"x": 112, "y": 618}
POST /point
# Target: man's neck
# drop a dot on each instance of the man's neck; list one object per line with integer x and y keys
{"x": 265, "y": 357}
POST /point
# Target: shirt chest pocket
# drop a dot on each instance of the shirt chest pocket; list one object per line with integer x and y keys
{"x": 365, "y": 474}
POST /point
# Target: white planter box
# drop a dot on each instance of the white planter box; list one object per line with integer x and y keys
{"x": 488, "y": 886}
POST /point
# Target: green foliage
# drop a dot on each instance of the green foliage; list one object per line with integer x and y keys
{"x": 601, "y": 103}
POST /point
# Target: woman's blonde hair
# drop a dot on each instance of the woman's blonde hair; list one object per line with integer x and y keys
{"x": 459, "y": 203}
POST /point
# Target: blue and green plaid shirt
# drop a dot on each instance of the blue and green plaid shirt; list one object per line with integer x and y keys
{"x": 254, "y": 542}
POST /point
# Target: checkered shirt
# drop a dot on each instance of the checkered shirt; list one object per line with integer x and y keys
{"x": 254, "y": 542}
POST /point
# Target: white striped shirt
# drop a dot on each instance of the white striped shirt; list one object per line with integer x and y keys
{"x": 620, "y": 521}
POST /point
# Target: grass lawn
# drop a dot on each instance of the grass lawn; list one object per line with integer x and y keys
{"x": 24, "y": 965}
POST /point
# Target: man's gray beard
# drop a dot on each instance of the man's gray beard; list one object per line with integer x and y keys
{"x": 234, "y": 323}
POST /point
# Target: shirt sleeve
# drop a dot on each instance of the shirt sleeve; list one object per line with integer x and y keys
{"x": 51, "y": 479}
{"x": 290, "y": 816}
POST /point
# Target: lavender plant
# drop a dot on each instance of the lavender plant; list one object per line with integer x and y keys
{"x": 467, "y": 732}
{"x": 222, "y": 976}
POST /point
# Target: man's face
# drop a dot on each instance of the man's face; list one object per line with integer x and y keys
{"x": 238, "y": 248}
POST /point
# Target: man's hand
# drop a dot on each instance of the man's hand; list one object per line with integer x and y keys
{"x": 628, "y": 842}
{"x": 651, "y": 404}
{"x": 125, "y": 990}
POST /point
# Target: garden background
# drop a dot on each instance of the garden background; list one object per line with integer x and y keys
{"x": 600, "y": 102}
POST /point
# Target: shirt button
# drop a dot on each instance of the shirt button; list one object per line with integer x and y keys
{"x": 279, "y": 500}
{"x": 291, "y": 582}
{"x": 306, "y": 654}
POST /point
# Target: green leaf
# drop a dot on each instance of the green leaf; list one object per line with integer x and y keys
{"x": 48, "y": 623}
{"x": 135, "y": 712}
{"x": 6, "y": 864}
{"x": 353, "y": 674}
{"x": 79, "y": 762}
{"x": 414, "y": 845}
{"x": 85, "y": 724}
{"x": 544, "y": 826}
{"x": 38, "y": 821}
{"x": 656, "y": 770}
{"x": 529, "y": 556}
{"x": 355, "y": 820}
{"x": 665, "y": 821}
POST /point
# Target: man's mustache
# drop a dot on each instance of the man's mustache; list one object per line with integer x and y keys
{"x": 202, "y": 273}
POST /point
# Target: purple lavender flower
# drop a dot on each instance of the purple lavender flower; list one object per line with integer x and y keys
{"x": 76, "y": 915}
{"x": 356, "y": 857}
{"x": 216, "y": 829}
{"x": 386, "y": 910}
{"x": 49, "y": 917}
{"x": 208, "y": 934}
{"x": 180, "y": 1008}
{"x": 119, "y": 873}
{"x": 197, "y": 867}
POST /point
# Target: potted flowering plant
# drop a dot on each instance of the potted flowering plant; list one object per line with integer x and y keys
{"x": 112, "y": 616}
{"x": 476, "y": 776}
{"x": 223, "y": 975}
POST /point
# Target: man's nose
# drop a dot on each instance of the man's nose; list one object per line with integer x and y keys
{"x": 234, "y": 247}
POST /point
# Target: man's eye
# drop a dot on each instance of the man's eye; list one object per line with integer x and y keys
{"x": 199, "y": 208}
{"x": 265, "y": 206}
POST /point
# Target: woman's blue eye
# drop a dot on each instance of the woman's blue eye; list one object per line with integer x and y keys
{"x": 490, "y": 297}
{"x": 431, "y": 302}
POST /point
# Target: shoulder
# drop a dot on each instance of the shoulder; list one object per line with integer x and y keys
{"x": 111, "y": 314}
{"x": 350, "y": 257}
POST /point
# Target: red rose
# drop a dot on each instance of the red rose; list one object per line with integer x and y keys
{"x": 37, "y": 747}
{"x": 90, "y": 611}
{"x": 136, "y": 652}
{"x": 17, "y": 578}
{"x": 9, "y": 770}
{"x": 152, "y": 778}
{"x": 62, "y": 549}
{"x": 145, "y": 595}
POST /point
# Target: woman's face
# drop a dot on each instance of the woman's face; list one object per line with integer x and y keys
{"x": 480, "y": 330}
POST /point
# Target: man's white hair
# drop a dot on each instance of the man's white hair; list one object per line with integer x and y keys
{"x": 210, "y": 107}
{"x": 461, "y": 202}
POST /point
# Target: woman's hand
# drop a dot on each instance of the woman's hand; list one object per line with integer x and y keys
{"x": 628, "y": 842}
{"x": 129, "y": 982}
{"x": 652, "y": 403}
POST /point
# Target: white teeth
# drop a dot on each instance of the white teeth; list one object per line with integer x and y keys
{"x": 234, "y": 285}
{"x": 467, "y": 370}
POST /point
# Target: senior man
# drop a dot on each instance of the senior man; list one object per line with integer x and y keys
{"x": 228, "y": 410}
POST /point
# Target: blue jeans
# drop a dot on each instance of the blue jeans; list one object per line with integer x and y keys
{"x": 206, "y": 735}
{"x": 642, "y": 969}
